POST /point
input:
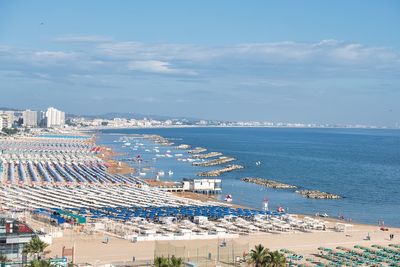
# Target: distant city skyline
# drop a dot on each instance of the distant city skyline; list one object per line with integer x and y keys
{"x": 286, "y": 61}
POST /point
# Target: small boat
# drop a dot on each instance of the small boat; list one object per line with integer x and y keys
{"x": 161, "y": 173}
{"x": 142, "y": 173}
{"x": 170, "y": 173}
{"x": 258, "y": 163}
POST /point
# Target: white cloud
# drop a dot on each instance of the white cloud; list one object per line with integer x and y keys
{"x": 325, "y": 51}
{"x": 83, "y": 39}
{"x": 156, "y": 66}
{"x": 253, "y": 60}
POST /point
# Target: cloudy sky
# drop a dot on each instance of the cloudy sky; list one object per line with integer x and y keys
{"x": 292, "y": 61}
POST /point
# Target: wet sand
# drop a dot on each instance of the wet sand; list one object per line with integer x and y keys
{"x": 114, "y": 167}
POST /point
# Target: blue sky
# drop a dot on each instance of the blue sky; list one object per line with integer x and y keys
{"x": 293, "y": 61}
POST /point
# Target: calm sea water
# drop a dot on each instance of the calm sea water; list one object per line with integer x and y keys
{"x": 363, "y": 166}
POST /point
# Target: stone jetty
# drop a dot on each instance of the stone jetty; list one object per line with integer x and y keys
{"x": 197, "y": 150}
{"x": 218, "y": 161}
{"x": 183, "y": 146}
{"x": 268, "y": 183}
{"x": 220, "y": 171}
{"x": 158, "y": 139}
{"x": 315, "y": 194}
{"x": 207, "y": 155}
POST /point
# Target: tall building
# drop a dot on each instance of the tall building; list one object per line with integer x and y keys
{"x": 7, "y": 118}
{"x": 30, "y": 118}
{"x": 54, "y": 117}
{"x": 41, "y": 119}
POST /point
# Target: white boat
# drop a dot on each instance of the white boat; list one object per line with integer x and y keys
{"x": 161, "y": 173}
{"x": 170, "y": 173}
{"x": 142, "y": 173}
{"x": 168, "y": 155}
{"x": 127, "y": 144}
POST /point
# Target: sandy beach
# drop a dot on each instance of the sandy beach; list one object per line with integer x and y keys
{"x": 119, "y": 167}
{"x": 91, "y": 248}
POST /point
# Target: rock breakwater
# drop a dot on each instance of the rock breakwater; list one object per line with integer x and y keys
{"x": 197, "y": 150}
{"x": 207, "y": 155}
{"x": 218, "y": 161}
{"x": 268, "y": 183}
{"x": 315, "y": 194}
{"x": 218, "y": 172}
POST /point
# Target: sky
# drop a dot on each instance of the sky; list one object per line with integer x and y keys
{"x": 283, "y": 61}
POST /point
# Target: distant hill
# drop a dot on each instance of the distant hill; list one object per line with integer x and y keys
{"x": 12, "y": 109}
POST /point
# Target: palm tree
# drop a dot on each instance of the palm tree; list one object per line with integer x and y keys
{"x": 259, "y": 256}
{"x": 35, "y": 247}
{"x": 175, "y": 262}
{"x": 161, "y": 262}
{"x": 277, "y": 259}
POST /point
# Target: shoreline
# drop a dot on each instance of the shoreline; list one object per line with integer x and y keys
{"x": 203, "y": 197}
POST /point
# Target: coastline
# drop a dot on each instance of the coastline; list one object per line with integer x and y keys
{"x": 107, "y": 155}
{"x": 114, "y": 166}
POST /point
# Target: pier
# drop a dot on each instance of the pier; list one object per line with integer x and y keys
{"x": 268, "y": 183}
{"x": 218, "y": 161}
{"x": 220, "y": 171}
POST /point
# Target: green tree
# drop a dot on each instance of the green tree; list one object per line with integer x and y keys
{"x": 168, "y": 262}
{"x": 35, "y": 247}
{"x": 175, "y": 262}
{"x": 10, "y": 131}
{"x": 276, "y": 259}
{"x": 39, "y": 263}
{"x": 259, "y": 256}
{"x": 161, "y": 262}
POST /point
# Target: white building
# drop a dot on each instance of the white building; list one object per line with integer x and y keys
{"x": 30, "y": 118}
{"x": 7, "y": 119}
{"x": 54, "y": 117}
{"x": 212, "y": 186}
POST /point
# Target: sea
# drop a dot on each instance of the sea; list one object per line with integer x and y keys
{"x": 362, "y": 165}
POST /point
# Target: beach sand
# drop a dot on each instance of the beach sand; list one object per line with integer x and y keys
{"x": 114, "y": 167}
{"x": 91, "y": 249}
